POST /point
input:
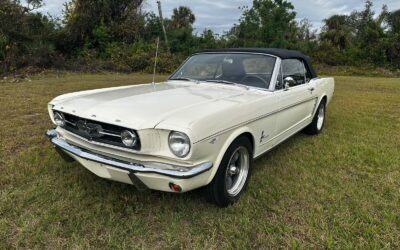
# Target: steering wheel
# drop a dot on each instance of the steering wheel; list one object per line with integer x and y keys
{"x": 256, "y": 77}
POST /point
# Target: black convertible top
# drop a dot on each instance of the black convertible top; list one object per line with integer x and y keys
{"x": 282, "y": 53}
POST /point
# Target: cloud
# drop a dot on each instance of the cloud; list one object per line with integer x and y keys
{"x": 220, "y": 15}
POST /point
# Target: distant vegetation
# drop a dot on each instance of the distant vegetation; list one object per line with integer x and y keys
{"x": 120, "y": 36}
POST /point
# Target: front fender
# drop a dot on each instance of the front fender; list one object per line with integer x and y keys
{"x": 229, "y": 138}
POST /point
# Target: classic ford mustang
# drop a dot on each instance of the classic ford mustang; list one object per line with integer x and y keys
{"x": 202, "y": 127}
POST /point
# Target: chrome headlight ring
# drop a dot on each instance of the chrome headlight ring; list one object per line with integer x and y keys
{"x": 179, "y": 144}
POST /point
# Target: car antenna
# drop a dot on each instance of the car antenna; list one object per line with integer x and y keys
{"x": 155, "y": 62}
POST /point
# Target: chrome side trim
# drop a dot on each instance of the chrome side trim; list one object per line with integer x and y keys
{"x": 255, "y": 119}
{"x": 175, "y": 171}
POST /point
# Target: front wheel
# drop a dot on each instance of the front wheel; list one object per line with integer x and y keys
{"x": 233, "y": 173}
{"x": 318, "y": 121}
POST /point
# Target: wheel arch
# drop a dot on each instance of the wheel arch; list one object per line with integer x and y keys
{"x": 243, "y": 131}
{"x": 250, "y": 137}
{"x": 323, "y": 97}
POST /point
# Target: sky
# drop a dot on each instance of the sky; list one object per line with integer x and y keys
{"x": 220, "y": 15}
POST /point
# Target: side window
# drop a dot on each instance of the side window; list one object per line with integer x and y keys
{"x": 295, "y": 69}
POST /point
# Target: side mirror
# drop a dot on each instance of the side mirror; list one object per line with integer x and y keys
{"x": 286, "y": 87}
{"x": 288, "y": 81}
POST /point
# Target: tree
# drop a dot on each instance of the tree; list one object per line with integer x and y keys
{"x": 180, "y": 30}
{"x": 393, "y": 51}
{"x": 208, "y": 39}
{"x": 34, "y": 4}
{"x": 370, "y": 39}
{"x": 306, "y": 37}
{"x": 26, "y": 37}
{"x": 182, "y": 17}
{"x": 393, "y": 20}
{"x": 122, "y": 18}
{"x": 338, "y": 31}
{"x": 269, "y": 23}
{"x": 118, "y": 35}
{"x": 152, "y": 26}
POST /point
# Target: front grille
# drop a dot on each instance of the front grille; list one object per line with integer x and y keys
{"x": 97, "y": 131}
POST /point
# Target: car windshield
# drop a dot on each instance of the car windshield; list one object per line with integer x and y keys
{"x": 252, "y": 70}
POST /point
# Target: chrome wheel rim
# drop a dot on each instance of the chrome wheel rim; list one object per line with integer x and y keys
{"x": 237, "y": 171}
{"x": 321, "y": 117}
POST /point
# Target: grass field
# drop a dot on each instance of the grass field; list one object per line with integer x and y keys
{"x": 340, "y": 189}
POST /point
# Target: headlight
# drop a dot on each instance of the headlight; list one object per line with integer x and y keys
{"x": 179, "y": 144}
{"x": 128, "y": 138}
{"x": 59, "y": 119}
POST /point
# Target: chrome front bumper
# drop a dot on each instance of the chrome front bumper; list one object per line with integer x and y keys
{"x": 175, "y": 171}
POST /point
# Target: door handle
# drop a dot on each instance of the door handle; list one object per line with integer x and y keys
{"x": 311, "y": 89}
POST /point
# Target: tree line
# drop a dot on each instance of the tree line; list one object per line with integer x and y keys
{"x": 120, "y": 36}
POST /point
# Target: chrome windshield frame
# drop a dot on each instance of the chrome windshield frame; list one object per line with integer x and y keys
{"x": 274, "y": 75}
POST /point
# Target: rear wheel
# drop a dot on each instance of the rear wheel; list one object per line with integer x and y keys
{"x": 233, "y": 173}
{"x": 318, "y": 121}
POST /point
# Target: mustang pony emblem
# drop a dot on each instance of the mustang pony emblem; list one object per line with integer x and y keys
{"x": 90, "y": 129}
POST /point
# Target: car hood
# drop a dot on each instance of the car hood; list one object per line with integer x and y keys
{"x": 146, "y": 106}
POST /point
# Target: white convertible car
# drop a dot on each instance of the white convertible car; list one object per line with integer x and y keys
{"x": 202, "y": 127}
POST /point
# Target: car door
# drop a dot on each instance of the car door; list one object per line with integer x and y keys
{"x": 296, "y": 100}
{"x": 259, "y": 72}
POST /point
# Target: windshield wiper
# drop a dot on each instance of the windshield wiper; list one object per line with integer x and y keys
{"x": 229, "y": 82}
{"x": 185, "y": 79}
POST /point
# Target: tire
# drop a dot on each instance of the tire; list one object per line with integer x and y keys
{"x": 318, "y": 121}
{"x": 233, "y": 173}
